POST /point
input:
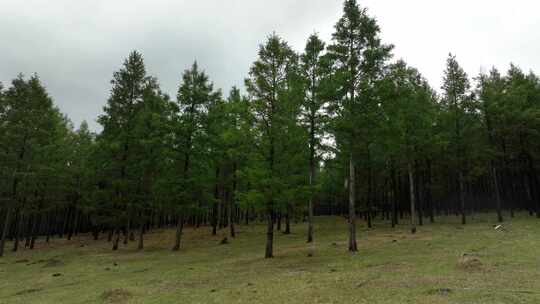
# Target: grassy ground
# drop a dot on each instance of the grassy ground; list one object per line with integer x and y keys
{"x": 443, "y": 263}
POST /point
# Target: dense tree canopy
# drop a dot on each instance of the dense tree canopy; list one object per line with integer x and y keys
{"x": 337, "y": 128}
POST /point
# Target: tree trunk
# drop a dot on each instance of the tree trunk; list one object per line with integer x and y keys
{"x": 310, "y": 202}
{"x": 128, "y": 230}
{"x": 116, "y": 240}
{"x": 230, "y": 221}
{"x": 534, "y": 178}
{"x": 352, "y": 200}
{"x": 287, "y": 220}
{"x": 369, "y": 192}
{"x": 232, "y": 203}
{"x": 269, "y": 253}
{"x": 18, "y": 232}
{"x": 95, "y": 233}
{"x": 429, "y": 194}
{"x": 413, "y": 198}
{"x": 5, "y": 231}
{"x": 215, "y": 212}
{"x": 140, "y": 246}
{"x": 394, "y": 196}
{"x": 462, "y": 197}
{"x": 34, "y": 232}
{"x": 497, "y": 193}
{"x": 48, "y": 227}
{"x": 179, "y": 228}
{"x": 73, "y": 225}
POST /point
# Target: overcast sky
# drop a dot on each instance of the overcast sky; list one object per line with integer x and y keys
{"x": 75, "y": 46}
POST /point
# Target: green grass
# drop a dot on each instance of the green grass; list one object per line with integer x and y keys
{"x": 391, "y": 267}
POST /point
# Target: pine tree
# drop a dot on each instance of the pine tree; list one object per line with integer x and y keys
{"x": 315, "y": 72}
{"x": 409, "y": 117}
{"x": 359, "y": 56}
{"x": 126, "y": 99}
{"x": 269, "y": 87}
{"x": 455, "y": 89}
{"x": 490, "y": 91}
{"x": 195, "y": 96}
{"x": 152, "y": 134}
{"x": 31, "y": 126}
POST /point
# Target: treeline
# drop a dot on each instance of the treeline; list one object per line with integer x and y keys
{"x": 339, "y": 128}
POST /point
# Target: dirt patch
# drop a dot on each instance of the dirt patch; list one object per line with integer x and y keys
{"x": 469, "y": 262}
{"x": 116, "y": 296}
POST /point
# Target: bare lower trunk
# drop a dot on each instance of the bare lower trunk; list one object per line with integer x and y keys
{"x": 462, "y": 198}
{"x": 179, "y": 228}
{"x": 95, "y": 233}
{"x": 18, "y": 233}
{"x": 116, "y": 240}
{"x": 310, "y": 203}
{"x": 429, "y": 194}
{"x": 394, "y": 196}
{"x": 4, "y": 231}
{"x": 35, "y": 226}
{"x": 353, "y": 247}
{"x": 310, "y": 221}
{"x": 140, "y": 246}
{"x": 288, "y": 220}
{"x": 128, "y": 231}
{"x": 497, "y": 193}
{"x": 413, "y": 198}
{"x": 48, "y": 228}
{"x": 230, "y": 218}
{"x": 269, "y": 253}
{"x": 73, "y": 228}
{"x": 232, "y": 203}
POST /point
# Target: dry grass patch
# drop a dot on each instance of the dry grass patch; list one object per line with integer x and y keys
{"x": 119, "y": 295}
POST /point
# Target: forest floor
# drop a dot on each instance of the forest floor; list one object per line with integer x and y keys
{"x": 443, "y": 263}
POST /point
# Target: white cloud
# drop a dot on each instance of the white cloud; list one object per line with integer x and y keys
{"x": 76, "y": 45}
